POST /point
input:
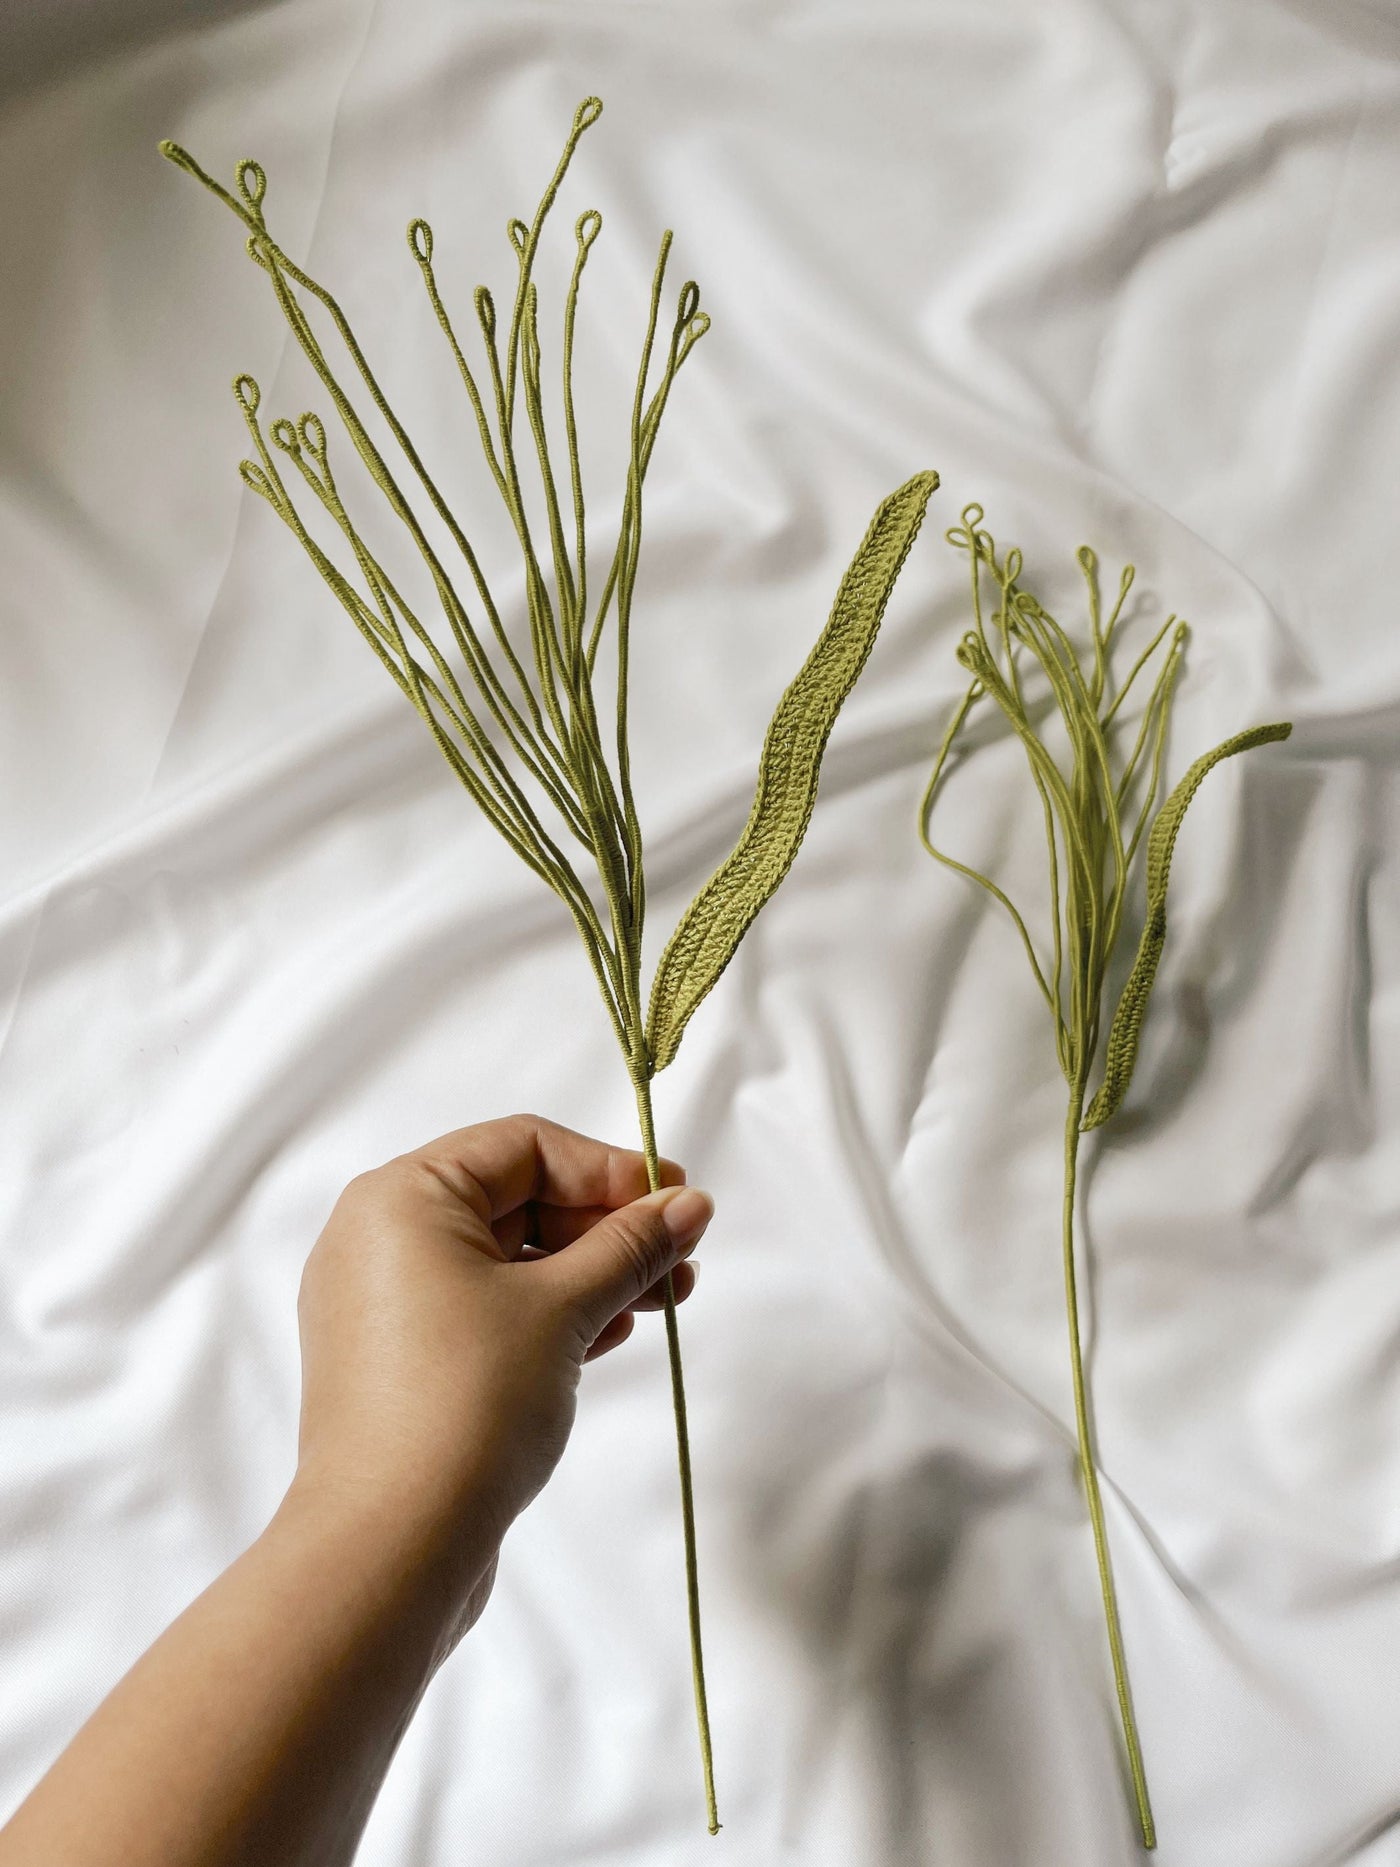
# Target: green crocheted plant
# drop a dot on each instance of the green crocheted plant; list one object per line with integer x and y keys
{"x": 512, "y": 725}
{"x": 1096, "y": 810}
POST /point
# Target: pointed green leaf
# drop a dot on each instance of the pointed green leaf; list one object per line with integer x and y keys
{"x": 719, "y": 916}
{"x": 1126, "y": 1030}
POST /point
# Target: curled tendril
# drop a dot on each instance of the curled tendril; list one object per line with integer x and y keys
{"x": 312, "y": 432}
{"x": 251, "y": 179}
{"x": 255, "y": 478}
{"x": 968, "y": 537}
{"x": 587, "y": 228}
{"x": 971, "y": 651}
{"x": 420, "y": 241}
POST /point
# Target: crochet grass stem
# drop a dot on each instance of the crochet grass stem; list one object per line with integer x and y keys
{"x": 642, "y": 1084}
{"x": 1096, "y": 807}
{"x": 524, "y": 732}
{"x": 1088, "y": 1472}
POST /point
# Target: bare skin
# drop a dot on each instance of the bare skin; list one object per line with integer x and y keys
{"x": 446, "y": 1312}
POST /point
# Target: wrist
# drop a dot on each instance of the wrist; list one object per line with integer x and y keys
{"x": 405, "y": 1557}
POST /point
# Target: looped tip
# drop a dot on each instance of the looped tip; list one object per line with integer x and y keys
{"x": 519, "y": 233}
{"x": 420, "y": 241}
{"x": 1125, "y": 582}
{"x": 688, "y": 303}
{"x": 1014, "y": 561}
{"x": 252, "y": 184}
{"x": 247, "y": 394}
{"x": 284, "y": 435}
{"x": 697, "y": 328}
{"x": 258, "y": 250}
{"x": 254, "y": 478}
{"x": 485, "y": 311}
{"x": 587, "y": 114}
{"x": 180, "y": 156}
{"x": 1180, "y": 632}
{"x": 971, "y": 653}
{"x": 312, "y": 431}
{"x": 972, "y": 516}
{"x": 1087, "y": 558}
{"x": 587, "y": 228}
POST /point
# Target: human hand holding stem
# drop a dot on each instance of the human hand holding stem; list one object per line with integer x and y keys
{"x": 1095, "y": 815}
{"x": 444, "y": 1315}
{"x": 509, "y": 725}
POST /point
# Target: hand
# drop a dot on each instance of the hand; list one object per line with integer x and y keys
{"x": 446, "y": 1311}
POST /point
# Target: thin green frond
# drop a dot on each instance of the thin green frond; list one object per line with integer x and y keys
{"x": 1091, "y": 859}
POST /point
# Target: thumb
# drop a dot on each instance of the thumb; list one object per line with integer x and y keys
{"x": 623, "y": 1255}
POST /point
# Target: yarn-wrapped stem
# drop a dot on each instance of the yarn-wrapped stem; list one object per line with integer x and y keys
{"x": 641, "y": 1082}
{"x": 1089, "y": 1476}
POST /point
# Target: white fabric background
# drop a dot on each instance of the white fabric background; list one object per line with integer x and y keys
{"x": 1126, "y": 273}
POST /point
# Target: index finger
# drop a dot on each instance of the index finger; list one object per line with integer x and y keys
{"x": 496, "y": 1166}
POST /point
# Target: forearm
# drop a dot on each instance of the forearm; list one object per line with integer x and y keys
{"x": 259, "y": 1727}
{"x": 446, "y": 1312}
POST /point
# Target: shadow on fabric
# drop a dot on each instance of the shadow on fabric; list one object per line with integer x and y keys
{"x": 40, "y": 45}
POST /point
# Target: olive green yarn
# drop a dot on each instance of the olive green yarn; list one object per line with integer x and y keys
{"x": 525, "y": 735}
{"x": 717, "y": 920}
{"x": 1095, "y": 812}
{"x": 1120, "y": 1054}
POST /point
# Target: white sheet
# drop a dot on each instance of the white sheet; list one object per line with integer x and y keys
{"x": 1125, "y": 274}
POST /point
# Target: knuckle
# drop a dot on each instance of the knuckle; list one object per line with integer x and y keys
{"x": 647, "y": 1247}
{"x": 359, "y": 1211}
{"x": 405, "y": 1176}
{"x": 366, "y": 1186}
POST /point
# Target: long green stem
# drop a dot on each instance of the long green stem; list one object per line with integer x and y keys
{"x": 544, "y": 704}
{"x": 642, "y": 1085}
{"x": 1089, "y": 1473}
{"x": 1084, "y": 806}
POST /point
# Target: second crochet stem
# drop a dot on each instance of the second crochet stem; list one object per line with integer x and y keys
{"x": 642, "y": 1085}
{"x": 1089, "y": 1474}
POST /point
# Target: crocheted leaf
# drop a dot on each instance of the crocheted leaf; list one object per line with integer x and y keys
{"x": 788, "y": 770}
{"x": 1126, "y": 1030}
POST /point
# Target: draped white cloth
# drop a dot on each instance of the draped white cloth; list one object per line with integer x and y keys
{"x": 1127, "y": 275}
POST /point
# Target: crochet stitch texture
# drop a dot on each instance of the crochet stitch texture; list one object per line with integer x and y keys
{"x": 524, "y": 734}
{"x": 1095, "y": 810}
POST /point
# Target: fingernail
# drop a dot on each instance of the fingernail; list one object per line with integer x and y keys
{"x": 686, "y": 1215}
